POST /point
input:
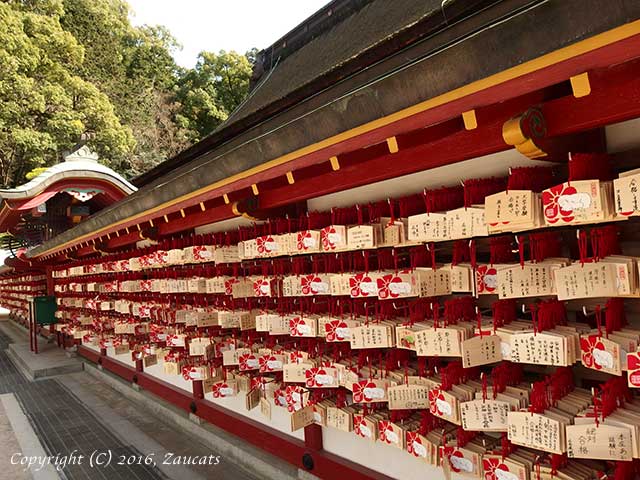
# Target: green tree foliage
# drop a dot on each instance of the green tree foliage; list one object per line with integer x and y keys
{"x": 45, "y": 106}
{"x": 35, "y": 172}
{"x": 212, "y": 90}
{"x": 71, "y": 66}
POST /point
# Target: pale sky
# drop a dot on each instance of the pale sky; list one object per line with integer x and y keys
{"x": 223, "y": 24}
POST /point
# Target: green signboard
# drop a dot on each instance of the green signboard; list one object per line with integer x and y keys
{"x": 44, "y": 309}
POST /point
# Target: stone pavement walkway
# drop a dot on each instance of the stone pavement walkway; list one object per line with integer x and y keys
{"x": 77, "y": 412}
{"x": 9, "y": 443}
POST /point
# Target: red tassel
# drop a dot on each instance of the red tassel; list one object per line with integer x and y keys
{"x": 535, "y": 179}
{"x": 615, "y": 318}
{"x": 504, "y": 312}
{"x": 476, "y": 189}
{"x": 463, "y": 436}
{"x": 460, "y": 308}
{"x": 550, "y": 314}
{"x": 411, "y": 205}
{"x": 544, "y": 245}
{"x": 590, "y": 166}
{"x": 501, "y": 249}
{"x": 443, "y": 199}
{"x": 461, "y": 252}
{"x": 604, "y": 241}
{"x": 558, "y": 462}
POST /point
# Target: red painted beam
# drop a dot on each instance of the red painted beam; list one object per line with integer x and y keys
{"x": 123, "y": 240}
{"x": 166, "y": 391}
{"x": 453, "y": 148}
{"x": 119, "y": 368}
{"x": 615, "y": 97}
{"x": 88, "y": 354}
{"x": 85, "y": 251}
{"x": 210, "y": 215}
{"x": 601, "y": 58}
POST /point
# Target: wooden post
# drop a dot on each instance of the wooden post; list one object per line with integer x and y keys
{"x": 198, "y": 389}
{"x": 313, "y": 437}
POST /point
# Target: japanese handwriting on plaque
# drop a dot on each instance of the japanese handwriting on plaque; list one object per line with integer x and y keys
{"x": 603, "y": 442}
{"x": 402, "y": 397}
{"x": 481, "y": 350}
{"x": 627, "y": 195}
{"x": 539, "y": 348}
{"x": 532, "y": 280}
{"x": 443, "y": 342}
{"x": 586, "y": 281}
{"x": 370, "y": 336}
{"x": 536, "y": 431}
{"x": 484, "y": 415}
{"x": 301, "y": 418}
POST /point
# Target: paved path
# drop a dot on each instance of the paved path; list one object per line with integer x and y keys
{"x": 76, "y": 412}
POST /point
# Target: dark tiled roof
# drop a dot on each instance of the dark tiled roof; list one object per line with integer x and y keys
{"x": 373, "y": 24}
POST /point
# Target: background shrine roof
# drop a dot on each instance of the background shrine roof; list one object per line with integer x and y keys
{"x": 82, "y": 163}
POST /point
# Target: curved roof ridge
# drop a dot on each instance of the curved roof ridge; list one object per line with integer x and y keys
{"x": 84, "y": 167}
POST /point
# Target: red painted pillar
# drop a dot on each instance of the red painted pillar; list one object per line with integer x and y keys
{"x": 198, "y": 389}
{"x": 313, "y": 437}
{"x": 139, "y": 365}
{"x": 50, "y": 282}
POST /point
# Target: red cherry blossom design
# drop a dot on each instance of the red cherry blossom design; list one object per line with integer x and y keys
{"x": 447, "y": 453}
{"x": 434, "y": 395}
{"x": 385, "y": 427}
{"x": 308, "y": 283}
{"x": 258, "y": 382}
{"x": 292, "y": 404}
{"x": 490, "y": 465}
{"x": 302, "y": 236}
{"x": 261, "y": 288}
{"x": 383, "y": 286}
{"x": 359, "y": 395}
{"x": 331, "y": 329}
{"x": 327, "y": 244}
{"x": 247, "y": 361}
{"x": 187, "y": 371}
{"x": 294, "y": 325}
{"x": 355, "y": 283}
{"x": 296, "y": 357}
{"x": 633, "y": 365}
{"x": 413, "y": 437}
{"x": 358, "y": 424}
{"x": 264, "y": 363}
{"x": 198, "y": 253}
{"x": 311, "y": 374}
{"x": 279, "y": 397}
{"x": 481, "y": 272}
{"x": 633, "y": 362}
{"x": 551, "y": 206}
{"x": 228, "y": 285}
{"x": 264, "y": 244}
{"x": 587, "y": 346}
{"x": 217, "y": 388}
